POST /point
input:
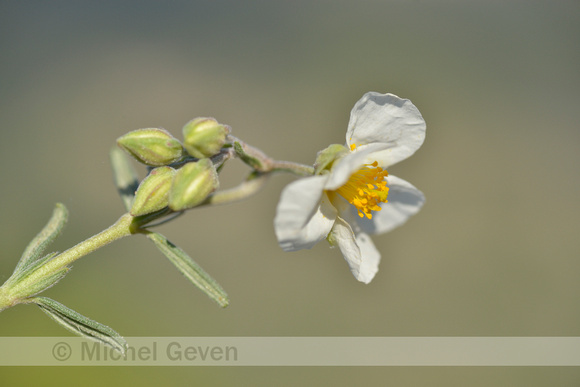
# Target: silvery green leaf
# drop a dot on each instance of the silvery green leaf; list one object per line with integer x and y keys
{"x": 48, "y": 234}
{"x": 24, "y": 270}
{"x": 191, "y": 270}
{"x": 41, "y": 284}
{"x": 81, "y": 325}
{"x": 126, "y": 178}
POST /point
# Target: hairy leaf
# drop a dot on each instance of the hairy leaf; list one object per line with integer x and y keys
{"x": 81, "y": 325}
{"x": 48, "y": 234}
{"x": 191, "y": 270}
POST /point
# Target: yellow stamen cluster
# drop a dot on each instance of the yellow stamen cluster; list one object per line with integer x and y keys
{"x": 366, "y": 189}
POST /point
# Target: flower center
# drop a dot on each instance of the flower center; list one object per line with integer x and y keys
{"x": 366, "y": 189}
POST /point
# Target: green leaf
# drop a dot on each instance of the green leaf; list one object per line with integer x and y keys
{"x": 41, "y": 284}
{"x": 48, "y": 234}
{"x": 81, "y": 325}
{"x": 125, "y": 176}
{"x": 25, "y": 270}
{"x": 191, "y": 270}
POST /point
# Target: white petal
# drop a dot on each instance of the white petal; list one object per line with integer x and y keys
{"x": 358, "y": 251}
{"x": 404, "y": 200}
{"x": 370, "y": 258}
{"x": 304, "y": 215}
{"x": 387, "y": 119}
{"x": 351, "y": 163}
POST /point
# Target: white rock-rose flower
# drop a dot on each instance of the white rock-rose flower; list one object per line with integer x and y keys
{"x": 351, "y": 195}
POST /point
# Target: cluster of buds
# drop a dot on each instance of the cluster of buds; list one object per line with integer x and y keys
{"x": 182, "y": 175}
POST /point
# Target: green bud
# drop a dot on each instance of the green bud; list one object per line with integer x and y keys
{"x": 204, "y": 137}
{"x": 254, "y": 157}
{"x": 153, "y": 192}
{"x": 326, "y": 157}
{"x": 192, "y": 184}
{"x": 154, "y": 147}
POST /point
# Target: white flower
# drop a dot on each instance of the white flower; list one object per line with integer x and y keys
{"x": 350, "y": 196}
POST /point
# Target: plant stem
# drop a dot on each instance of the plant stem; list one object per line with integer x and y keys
{"x": 256, "y": 181}
{"x": 12, "y": 295}
{"x": 249, "y": 187}
{"x": 121, "y": 228}
{"x": 292, "y": 167}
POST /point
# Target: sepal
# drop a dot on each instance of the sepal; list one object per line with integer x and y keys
{"x": 204, "y": 137}
{"x": 192, "y": 184}
{"x": 153, "y": 192}
{"x": 152, "y": 146}
{"x": 326, "y": 157}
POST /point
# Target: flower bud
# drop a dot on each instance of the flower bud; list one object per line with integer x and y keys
{"x": 204, "y": 137}
{"x": 192, "y": 184}
{"x": 255, "y": 158}
{"x": 154, "y": 147}
{"x": 153, "y": 192}
{"x": 326, "y": 157}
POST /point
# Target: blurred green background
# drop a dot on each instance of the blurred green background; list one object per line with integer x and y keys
{"x": 494, "y": 252}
